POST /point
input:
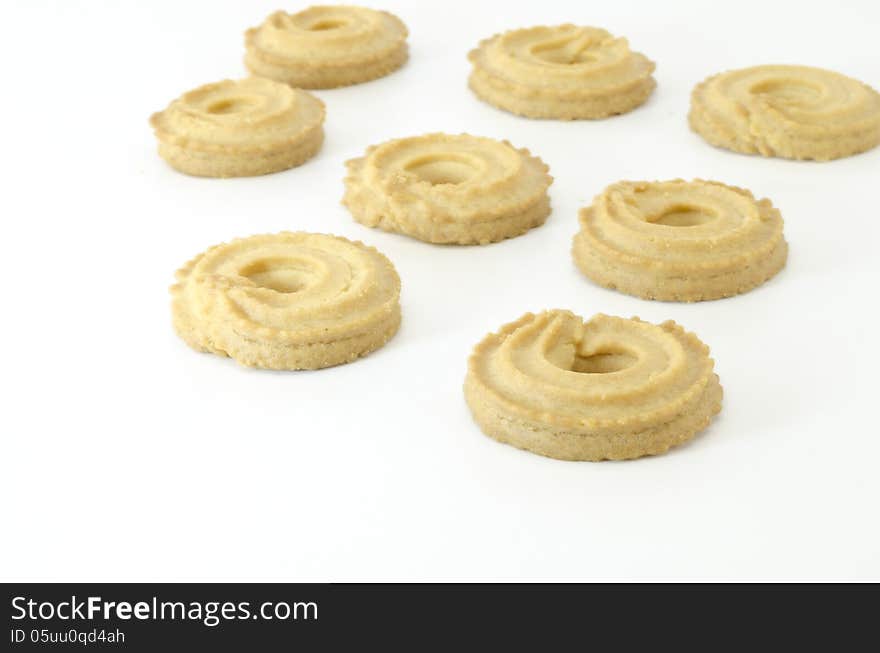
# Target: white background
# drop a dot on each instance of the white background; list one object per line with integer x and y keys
{"x": 127, "y": 456}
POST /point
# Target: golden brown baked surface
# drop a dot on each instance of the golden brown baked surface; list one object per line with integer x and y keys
{"x": 605, "y": 389}
{"x": 565, "y": 72}
{"x": 326, "y": 46}
{"x": 444, "y": 188}
{"x": 287, "y": 301}
{"x": 679, "y": 240}
{"x": 239, "y": 128}
{"x": 793, "y": 112}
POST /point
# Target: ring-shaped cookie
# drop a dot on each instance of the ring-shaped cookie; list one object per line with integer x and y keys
{"x": 287, "y": 301}
{"x": 564, "y": 72}
{"x": 442, "y": 188}
{"x": 679, "y": 241}
{"x": 605, "y": 389}
{"x": 792, "y": 112}
{"x": 240, "y": 128}
{"x": 326, "y": 46}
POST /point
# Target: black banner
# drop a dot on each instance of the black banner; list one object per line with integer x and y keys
{"x": 263, "y": 617}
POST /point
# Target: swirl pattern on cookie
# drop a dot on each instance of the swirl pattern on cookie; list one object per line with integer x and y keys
{"x": 326, "y": 46}
{"x": 606, "y": 389}
{"x": 287, "y": 301}
{"x": 679, "y": 240}
{"x": 240, "y": 128}
{"x": 564, "y": 72}
{"x": 793, "y": 112}
{"x": 442, "y": 188}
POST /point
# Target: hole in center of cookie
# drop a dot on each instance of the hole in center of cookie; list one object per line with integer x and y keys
{"x": 568, "y": 54}
{"x": 326, "y": 24}
{"x": 786, "y": 89}
{"x": 683, "y": 215}
{"x": 604, "y": 362}
{"x": 280, "y": 275}
{"x": 442, "y": 169}
{"x": 232, "y": 105}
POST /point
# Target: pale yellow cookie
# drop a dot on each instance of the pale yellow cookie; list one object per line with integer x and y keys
{"x": 793, "y": 112}
{"x": 683, "y": 241}
{"x": 240, "y": 128}
{"x": 605, "y": 389}
{"x": 287, "y": 301}
{"x": 326, "y": 47}
{"x": 564, "y": 72}
{"x": 449, "y": 189}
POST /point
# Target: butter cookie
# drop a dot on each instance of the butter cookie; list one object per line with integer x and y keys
{"x": 326, "y": 46}
{"x": 287, "y": 301}
{"x": 442, "y": 188}
{"x": 564, "y": 72}
{"x": 240, "y": 128}
{"x": 793, "y": 112}
{"x": 605, "y": 389}
{"x": 679, "y": 241}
